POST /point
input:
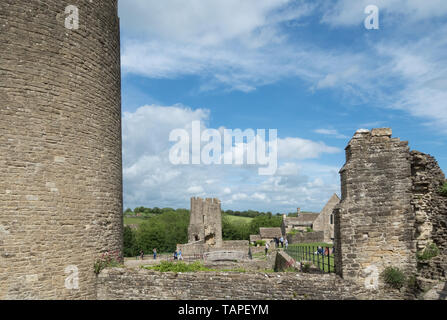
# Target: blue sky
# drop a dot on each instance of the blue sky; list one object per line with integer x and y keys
{"x": 309, "y": 69}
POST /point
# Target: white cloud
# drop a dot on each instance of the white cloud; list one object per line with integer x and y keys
{"x": 297, "y": 148}
{"x": 351, "y": 12}
{"x": 151, "y": 180}
{"x": 331, "y": 132}
{"x": 195, "y": 190}
{"x": 210, "y": 22}
{"x": 241, "y": 45}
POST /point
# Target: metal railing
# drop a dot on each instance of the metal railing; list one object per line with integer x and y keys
{"x": 321, "y": 257}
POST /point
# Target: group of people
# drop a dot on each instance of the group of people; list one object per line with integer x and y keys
{"x": 178, "y": 255}
{"x": 142, "y": 254}
{"x": 324, "y": 251}
{"x": 281, "y": 241}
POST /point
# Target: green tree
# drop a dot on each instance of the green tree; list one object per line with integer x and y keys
{"x": 130, "y": 245}
{"x": 163, "y": 232}
{"x": 264, "y": 221}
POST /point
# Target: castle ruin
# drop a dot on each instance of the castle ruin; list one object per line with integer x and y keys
{"x": 205, "y": 222}
{"x": 60, "y": 147}
{"x": 390, "y": 209}
{"x": 61, "y": 186}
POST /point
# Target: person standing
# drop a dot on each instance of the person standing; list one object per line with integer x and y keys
{"x": 281, "y": 240}
{"x": 180, "y": 257}
{"x": 266, "y": 248}
{"x": 155, "y": 253}
{"x": 287, "y": 243}
{"x": 141, "y": 254}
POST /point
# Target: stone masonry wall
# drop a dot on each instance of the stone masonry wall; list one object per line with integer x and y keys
{"x": 323, "y": 221}
{"x": 125, "y": 284}
{"x": 375, "y": 220}
{"x": 430, "y": 209}
{"x": 60, "y": 146}
{"x": 306, "y": 237}
{"x": 205, "y": 221}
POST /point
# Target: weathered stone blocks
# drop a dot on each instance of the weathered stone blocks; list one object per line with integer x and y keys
{"x": 60, "y": 146}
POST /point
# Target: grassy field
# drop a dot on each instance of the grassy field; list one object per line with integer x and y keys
{"x": 313, "y": 244}
{"x": 139, "y": 220}
{"x": 236, "y": 219}
{"x": 298, "y": 252}
{"x": 134, "y": 220}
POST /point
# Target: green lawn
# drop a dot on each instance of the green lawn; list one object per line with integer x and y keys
{"x": 299, "y": 253}
{"x": 134, "y": 220}
{"x": 236, "y": 219}
{"x": 313, "y": 244}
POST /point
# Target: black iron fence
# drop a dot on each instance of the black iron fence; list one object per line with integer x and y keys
{"x": 321, "y": 257}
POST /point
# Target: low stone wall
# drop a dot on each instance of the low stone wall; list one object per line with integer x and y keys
{"x": 126, "y": 284}
{"x": 192, "y": 249}
{"x": 257, "y": 249}
{"x": 284, "y": 261}
{"x": 306, "y": 237}
{"x": 235, "y": 245}
{"x": 225, "y": 255}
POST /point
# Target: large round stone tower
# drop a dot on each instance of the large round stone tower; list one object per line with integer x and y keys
{"x": 60, "y": 145}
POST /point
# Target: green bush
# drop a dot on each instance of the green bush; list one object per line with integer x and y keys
{"x": 443, "y": 189}
{"x": 306, "y": 267}
{"x": 429, "y": 252}
{"x": 293, "y": 232}
{"x": 129, "y": 239}
{"x": 309, "y": 229}
{"x": 261, "y": 243}
{"x": 393, "y": 277}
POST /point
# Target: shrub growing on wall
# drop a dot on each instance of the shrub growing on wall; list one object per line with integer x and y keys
{"x": 443, "y": 190}
{"x": 393, "y": 277}
{"x": 429, "y": 252}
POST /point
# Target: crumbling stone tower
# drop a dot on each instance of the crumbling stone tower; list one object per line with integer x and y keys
{"x": 60, "y": 146}
{"x": 205, "y": 222}
{"x": 374, "y": 222}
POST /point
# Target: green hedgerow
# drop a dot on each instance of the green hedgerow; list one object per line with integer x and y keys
{"x": 429, "y": 252}
{"x": 393, "y": 277}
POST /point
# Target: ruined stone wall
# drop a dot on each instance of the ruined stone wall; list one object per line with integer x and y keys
{"x": 430, "y": 209}
{"x": 284, "y": 262}
{"x": 205, "y": 222}
{"x": 323, "y": 222}
{"x": 306, "y": 237}
{"x": 125, "y": 284}
{"x": 195, "y": 249}
{"x": 375, "y": 219}
{"x": 60, "y": 146}
{"x": 235, "y": 245}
